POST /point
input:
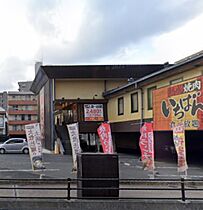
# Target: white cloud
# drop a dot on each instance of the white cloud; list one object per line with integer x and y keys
{"x": 68, "y": 19}
{"x": 170, "y": 46}
{"x": 181, "y": 42}
{"x": 12, "y": 70}
{"x": 100, "y": 31}
{"x": 108, "y": 30}
{"x": 17, "y": 36}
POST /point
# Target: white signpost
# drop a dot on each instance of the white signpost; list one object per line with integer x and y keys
{"x": 75, "y": 142}
{"x": 33, "y": 135}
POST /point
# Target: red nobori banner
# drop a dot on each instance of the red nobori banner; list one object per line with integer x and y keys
{"x": 179, "y": 142}
{"x": 104, "y": 132}
{"x": 93, "y": 112}
{"x": 146, "y": 144}
{"x": 179, "y": 103}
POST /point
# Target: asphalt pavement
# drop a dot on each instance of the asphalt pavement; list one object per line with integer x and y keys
{"x": 60, "y": 166}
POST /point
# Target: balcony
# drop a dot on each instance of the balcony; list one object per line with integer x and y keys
{"x": 32, "y": 112}
{"x": 21, "y": 122}
{"x": 21, "y": 102}
{"x": 20, "y": 132}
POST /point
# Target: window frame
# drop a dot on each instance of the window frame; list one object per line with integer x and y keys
{"x": 131, "y": 99}
{"x": 15, "y": 107}
{"x": 176, "y": 81}
{"x": 149, "y": 91}
{"x": 29, "y": 117}
{"x": 119, "y": 111}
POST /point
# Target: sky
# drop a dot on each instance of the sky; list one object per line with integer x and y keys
{"x": 94, "y": 32}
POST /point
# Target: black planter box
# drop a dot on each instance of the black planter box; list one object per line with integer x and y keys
{"x": 97, "y": 166}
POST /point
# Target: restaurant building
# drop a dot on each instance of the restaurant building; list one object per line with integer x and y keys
{"x": 166, "y": 97}
{"x": 70, "y": 94}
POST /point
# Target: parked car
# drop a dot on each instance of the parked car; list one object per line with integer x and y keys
{"x": 14, "y": 145}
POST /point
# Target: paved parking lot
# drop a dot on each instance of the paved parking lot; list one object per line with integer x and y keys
{"x": 60, "y": 166}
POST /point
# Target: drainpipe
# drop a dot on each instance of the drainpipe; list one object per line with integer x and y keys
{"x": 142, "y": 107}
{"x": 51, "y": 96}
{"x": 105, "y": 85}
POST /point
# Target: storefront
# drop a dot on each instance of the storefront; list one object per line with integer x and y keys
{"x": 175, "y": 104}
{"x": 74, "y": 93}
{"x": 87, "y": 113}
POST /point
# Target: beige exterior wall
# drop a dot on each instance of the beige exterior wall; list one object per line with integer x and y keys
{"x": 114, "y": 84}
{"x": 84, "y": 89}
{"x": 113, "y": 102}
{"x": 79, "y": 89}
{"x": 127, "y": 116}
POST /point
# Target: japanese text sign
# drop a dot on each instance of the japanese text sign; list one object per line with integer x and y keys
{"x": 33, "y": 135}
{"x": 104, "y": 132}
{"x": 180, "y": 103}
{"x": 93, "y": 112}
{"x": 75, "y": 142}
{"x": 179, "y": 142}
{"x": 146, "y": 144}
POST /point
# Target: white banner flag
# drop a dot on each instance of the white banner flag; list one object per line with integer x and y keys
{"x": 33, "y": 135}
{"x": 75, "y": 142}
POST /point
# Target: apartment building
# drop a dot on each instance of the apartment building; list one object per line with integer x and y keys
{"x": 3, "y": 100}
{"x": 22, "y": 110}
{"x": 24, "y": 86}
{"x": 3, "y": 124}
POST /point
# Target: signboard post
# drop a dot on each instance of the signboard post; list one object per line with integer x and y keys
{"x": 41, "y": 100}
{"x": 104, "y": 132}
{"x": 33, "y": 135}
{"x": 75, "y": 142}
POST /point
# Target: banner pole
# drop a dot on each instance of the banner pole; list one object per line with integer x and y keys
{"x": 153, "y": 174}
{"x": 186, "y": 173}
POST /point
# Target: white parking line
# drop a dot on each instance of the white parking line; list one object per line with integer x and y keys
{"x": 172, "y": 175}
{"x": 26, "y": 170}
{"x": 173, "y": 167}
{"x": 127, "y": 164}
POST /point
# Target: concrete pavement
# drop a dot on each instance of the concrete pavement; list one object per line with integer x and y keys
{"x": 60, "y": 166}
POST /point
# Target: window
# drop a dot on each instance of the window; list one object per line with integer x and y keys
{"x": 134, "y": 102}
{"x": 27, "y": 97}
{"x": 29, "y": 117}
{"x": 175, "y": 81}
{"x": 15, "y": 141}
{"x": 22, "y": 117}
{"x": 19, "y": 128}
{"x": 26, "y": 107}
{"x": 11, "y": 142}
{"x": 15, "y": 107}
{"x": 120, "y": 106}
{"x": 150, "y": 97}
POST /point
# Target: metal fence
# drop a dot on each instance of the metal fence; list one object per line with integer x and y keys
{"x": 69, "y": 189}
